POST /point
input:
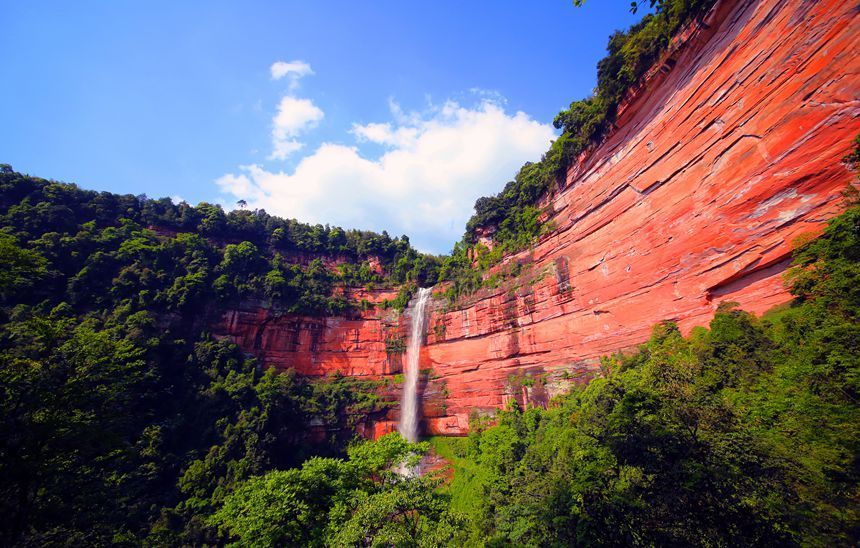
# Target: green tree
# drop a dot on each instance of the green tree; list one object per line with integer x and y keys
{"x": 362, "y": 500}
{"x": 19, "y": 268}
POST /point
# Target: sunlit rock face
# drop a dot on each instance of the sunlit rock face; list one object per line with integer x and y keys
{"x": 730, "y": 151}
{"x": 318, "y": 346}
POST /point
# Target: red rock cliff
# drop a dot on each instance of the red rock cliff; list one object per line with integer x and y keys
{"x": 730, "y": 151}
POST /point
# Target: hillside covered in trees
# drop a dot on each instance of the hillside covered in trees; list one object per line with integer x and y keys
{"x": 122, "y": 418}
{"x": 124, "y": 422}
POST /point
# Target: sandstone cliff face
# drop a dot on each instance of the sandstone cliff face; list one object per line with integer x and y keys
{"x": 729, "y": 152}
{"x": 356, "y": 346}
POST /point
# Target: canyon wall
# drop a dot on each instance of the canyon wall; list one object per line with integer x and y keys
{"x": 730, "y": 150}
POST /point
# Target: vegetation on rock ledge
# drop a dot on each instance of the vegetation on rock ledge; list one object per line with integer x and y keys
{"x": 512, "y": 219}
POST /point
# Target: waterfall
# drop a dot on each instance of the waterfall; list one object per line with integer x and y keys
{"x": 408, "y": 426}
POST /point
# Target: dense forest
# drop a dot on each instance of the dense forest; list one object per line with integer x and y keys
{"x": 123, "y": 420}
{"x": 277, "y": 259}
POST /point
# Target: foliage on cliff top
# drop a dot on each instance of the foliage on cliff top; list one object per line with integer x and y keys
{"x": 236, "y": 255}
{"x": 512, "y": 216}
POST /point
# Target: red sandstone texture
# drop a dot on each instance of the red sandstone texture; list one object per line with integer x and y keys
{"x": 729, "y": 152}
{"x": 318, "y": 346}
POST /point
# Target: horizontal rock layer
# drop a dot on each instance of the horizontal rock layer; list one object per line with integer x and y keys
{"x": 730, "y": 151}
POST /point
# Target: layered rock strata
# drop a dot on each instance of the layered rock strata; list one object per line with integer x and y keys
{"x": 730, "y": 150}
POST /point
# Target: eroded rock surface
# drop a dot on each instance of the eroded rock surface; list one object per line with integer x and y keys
{"x": 730, "y": 151}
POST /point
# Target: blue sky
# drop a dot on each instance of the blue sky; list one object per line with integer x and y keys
{"x": 390, "y": 115}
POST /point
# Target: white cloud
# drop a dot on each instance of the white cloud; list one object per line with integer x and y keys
{"x": 383, "y": 134}
{"x": 294, "y": 117}
{"x": 436, "y": 164}
{"x": 295, "y": 70}
{"x": 281, "y": 148}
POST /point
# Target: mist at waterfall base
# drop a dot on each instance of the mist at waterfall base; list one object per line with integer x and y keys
{"x": 409, "y": 407}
